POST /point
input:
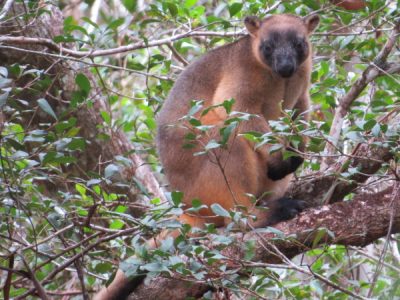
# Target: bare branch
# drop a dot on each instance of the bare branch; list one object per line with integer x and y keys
{"x": 324, "y": 187}
{"x": 369, "y": 74}
{"x": 6, "y": 8}
{"x": 21, "y": 40}
{"x": 38, "y": 286}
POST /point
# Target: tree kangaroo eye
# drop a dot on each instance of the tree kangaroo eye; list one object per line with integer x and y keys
{"x": 267, "y": 47}
{"x": 299, "y": 43}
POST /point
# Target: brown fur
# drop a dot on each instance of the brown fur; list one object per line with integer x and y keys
{"x": 232, "y": 71}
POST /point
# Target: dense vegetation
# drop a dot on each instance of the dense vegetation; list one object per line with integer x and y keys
{"x": 81, "y": 187}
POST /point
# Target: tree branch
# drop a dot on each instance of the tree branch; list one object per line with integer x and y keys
{"x": 50, "y": 44}
{"x": 377, "y": 68}
{"x": 325, "y": 186}
{"x": 6, "y": 8}
{"x": 352, "y": 223}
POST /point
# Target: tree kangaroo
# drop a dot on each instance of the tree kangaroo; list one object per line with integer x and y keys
{"x": 265, "y": 71}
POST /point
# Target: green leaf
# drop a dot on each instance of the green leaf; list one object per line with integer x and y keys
{"x": 61, "y": 126}
{"x": 228, "y": 104}
{"x": 81, "y": 189}
{"x": 369, "y": 124}
{"x": 103, "y": 267}
{"x": 197, "y": 11}
{"x": 320, "y": 234}
{"x": 130, "y": 5}
{"x": 3, "y": 72}
{"x": 45, "y": 106}
{"x": 312, "y": 4}
{"x": 167, "y": 245}
{"x": 77, "y": 143}
{"x": 83, "y": 82}
{"x": 173, "y": 9}
{"x": 176, "y": 197}
{"x": 116, "y": 224}
{"x": 87, "y": 20}
{"x": 226, "y": 132}
{"x": 219, "y": 210}
{"x": 116, "y": 23}
{"x": 235, "y": 8}
{"x": 106, "y": 117}
{"x": 249, "y": 249}
{"x": 376, "y": 130}
{"x": 355, "y": 136}
{"x": 71, "y": 28}
{"x": 190, "y": 3}
{"x": 196, "y": 203}
{"x": 275, "y": 148}
{"x": 111, "y": 170}
{"x": 273, "y": 230}
{"x": 130, "y": 266}
{"x": 5, "y": 82}
{"x": 154, "y": 267}
{"x": 64, "y": 39}
{"x": 212, "y": 145}
{"x": 195, "y": 106}
{"x": 93, "y": 182}
{"x": 3, "y": 99}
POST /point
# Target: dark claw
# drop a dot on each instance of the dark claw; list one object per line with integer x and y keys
{"x": 286, "y": 209}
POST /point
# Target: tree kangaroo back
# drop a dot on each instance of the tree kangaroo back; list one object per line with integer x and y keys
{"x": 263, "y": 72}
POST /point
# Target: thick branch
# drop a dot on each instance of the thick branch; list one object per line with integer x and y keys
{"x": 356, "y": 223}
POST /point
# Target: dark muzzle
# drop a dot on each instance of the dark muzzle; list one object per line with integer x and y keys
{"x": 285, "y": 68}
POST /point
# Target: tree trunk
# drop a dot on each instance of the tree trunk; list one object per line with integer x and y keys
{"x": 97, "y": 151}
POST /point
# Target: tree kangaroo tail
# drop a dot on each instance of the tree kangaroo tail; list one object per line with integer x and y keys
{"x": 121, "y": 287}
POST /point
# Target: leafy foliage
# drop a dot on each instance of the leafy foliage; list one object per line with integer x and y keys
{"x": 69, "y": 220}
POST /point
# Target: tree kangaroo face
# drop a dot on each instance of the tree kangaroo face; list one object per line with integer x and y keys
{"x": 281, "y": 42}
{"x": 284, "y": 51}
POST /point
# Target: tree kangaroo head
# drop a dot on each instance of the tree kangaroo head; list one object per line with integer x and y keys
{"x": 280, "y": 42}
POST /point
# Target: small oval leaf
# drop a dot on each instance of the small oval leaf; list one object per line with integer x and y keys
{"x": 83, "y": 82}
{"x": 219, "y": 210}
{"x": 45, "y": 106}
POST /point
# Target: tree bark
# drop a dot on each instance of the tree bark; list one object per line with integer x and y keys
{"x": 352, "y": 223}
{"x": 97, "y": 151}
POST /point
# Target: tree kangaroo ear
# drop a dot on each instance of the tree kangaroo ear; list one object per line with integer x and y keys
{"x": 311, "y": 22}
{"x": 252, "y": 24}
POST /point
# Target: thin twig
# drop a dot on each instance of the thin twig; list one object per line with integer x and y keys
{"x": 7, "y": 284}
{"x": 394, "y": 206}
{"x": 369, "y": 74}
{"x": 38, "y": 286}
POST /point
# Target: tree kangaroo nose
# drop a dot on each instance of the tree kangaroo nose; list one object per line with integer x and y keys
{"x": 285, "y": 69}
